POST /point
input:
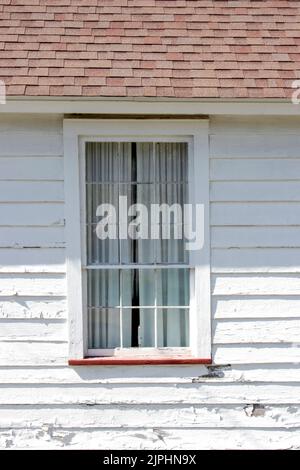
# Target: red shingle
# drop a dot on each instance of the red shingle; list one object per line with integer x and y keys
{"x": 183, "y": 48}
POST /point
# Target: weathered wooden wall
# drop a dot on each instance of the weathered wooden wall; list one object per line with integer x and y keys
{"x": 250, "y": 399}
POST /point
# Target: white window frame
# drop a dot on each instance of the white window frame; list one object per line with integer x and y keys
{"x": 76, "y": 133}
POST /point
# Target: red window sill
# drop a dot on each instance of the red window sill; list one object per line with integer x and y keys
{"x": 134, "y": 361}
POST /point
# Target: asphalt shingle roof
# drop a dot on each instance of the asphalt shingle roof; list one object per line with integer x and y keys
{"x": 150, "y": 48}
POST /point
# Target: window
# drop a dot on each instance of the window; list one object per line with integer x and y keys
{"x": 134, "y": 289}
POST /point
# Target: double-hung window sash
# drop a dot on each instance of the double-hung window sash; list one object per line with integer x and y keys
{"x": 137, "y": 289}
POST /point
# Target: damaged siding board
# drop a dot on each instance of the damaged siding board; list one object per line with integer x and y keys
{"x": 167, "y": 416}
{"x": 233, "y": 306}
{"x": 33, "y": 353}
{"x": 16, "y": 306}
{"x": 152, "y": 393}
{"x": 239, "y": 373}
{"x": 33, "y": 330}
{"x": 252, "y": 390}
{"x": 50, "y": 437}
{"x": 32, "y": 260}
{"x": 29, "y": 214}
{"x": 30, "y": 237}
{"x": 256, "y": 331}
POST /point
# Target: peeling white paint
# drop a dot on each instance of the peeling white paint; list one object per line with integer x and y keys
{"x": 250, "y": 396}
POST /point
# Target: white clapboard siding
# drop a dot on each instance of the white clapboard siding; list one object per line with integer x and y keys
{"x": 192, "y": 393}
{"x": 32, "y": 236}
{"x": 256, "y": 285}
{"x": 32, "y": 307}
{"x": 256, "y": 331}
{"x": 259, "y": 145}
{"x": 37, "y": 260}
{"x": 32, "y": 330}
{"x": 256, "y": 307}
{"x": 251, "y": 392}
{"x": 256, "y": 125}
{"x": 274, "y": 372}
{"x": 255, "y": 237}
{"x": 251, "y": 191}
{"x": 166, "y": 416}
{"x": 55, "y": 374}
{"x": 50, "y": 437}
{"x": 257, "y": 354}
{"x": 32, "y": 135}
{"x": 32, "y": 285}
{"x": 31, "y": 191}
{"x": 63, "y": 374}
{"x": 285, "y": 260}
{"x": 254, "y": 169}
{"x": 26, "y": 143}
{"x": 33, "y": 353}
{"x": 254, "y": 213}
{"x": 31, "y": 168}
{"x": 37, "y": 123}
{"x": 32, "y": 214}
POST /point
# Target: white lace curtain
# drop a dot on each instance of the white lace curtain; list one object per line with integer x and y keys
{"x": 146, "y": 173}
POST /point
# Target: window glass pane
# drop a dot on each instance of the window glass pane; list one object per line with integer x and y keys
{"x": 173, "y": 327}
{"x": 137, "y": 162}
{"x": 145, "y": 162}
{"x": 97, "y": 194}
{"x": 126, "y": 162}
{"x": 171, "y": 251}
{"x": 172, "y": 193}
{"x": 138, "y": 287}
{"x": 103, "y": 287}
{"x": 137, "y": 251}
{"x": 173, "y": 287}
{"x": 137, "y": 247}
{"x": 138, "y": 193}
{"x": 103, "y": 328}
{"x": 146, "y": 330}
{"x": 170, "y": 246}
{"x": 171, "y": 161}
{"x": 102, "y": 251}
{"x": 102, "y": 163}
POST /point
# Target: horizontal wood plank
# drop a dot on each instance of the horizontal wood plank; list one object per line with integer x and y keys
{"x": 263, "y": 284}
{"x": 256, "y": 307}
{"x": 255, "y": 213}
{"x": 259, "y": 354}
{"x": 50, "y": 437}
{"x": 33, "y": 330}
{"x": 281, "y": 260}
{"x": 32, "y": 307}
{"x": 31, "y": 191}
{"x": 256, "y": 331}
{"x": 254, "y": 169}
{"x": 255, "y": 145}
{"x": 31, "y": 168}
{"x": 26, "y": 260}
{"x": 30, "y": 143}
{"x": 37, "y": 285}
{"x": 193, "y": 393}
{"x": 222, "y": 191}
{"x": 255, "y": 237}
{"x": 32, "y": 236}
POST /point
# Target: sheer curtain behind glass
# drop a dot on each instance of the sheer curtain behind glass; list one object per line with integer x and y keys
{"x": 130, "y": 305}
